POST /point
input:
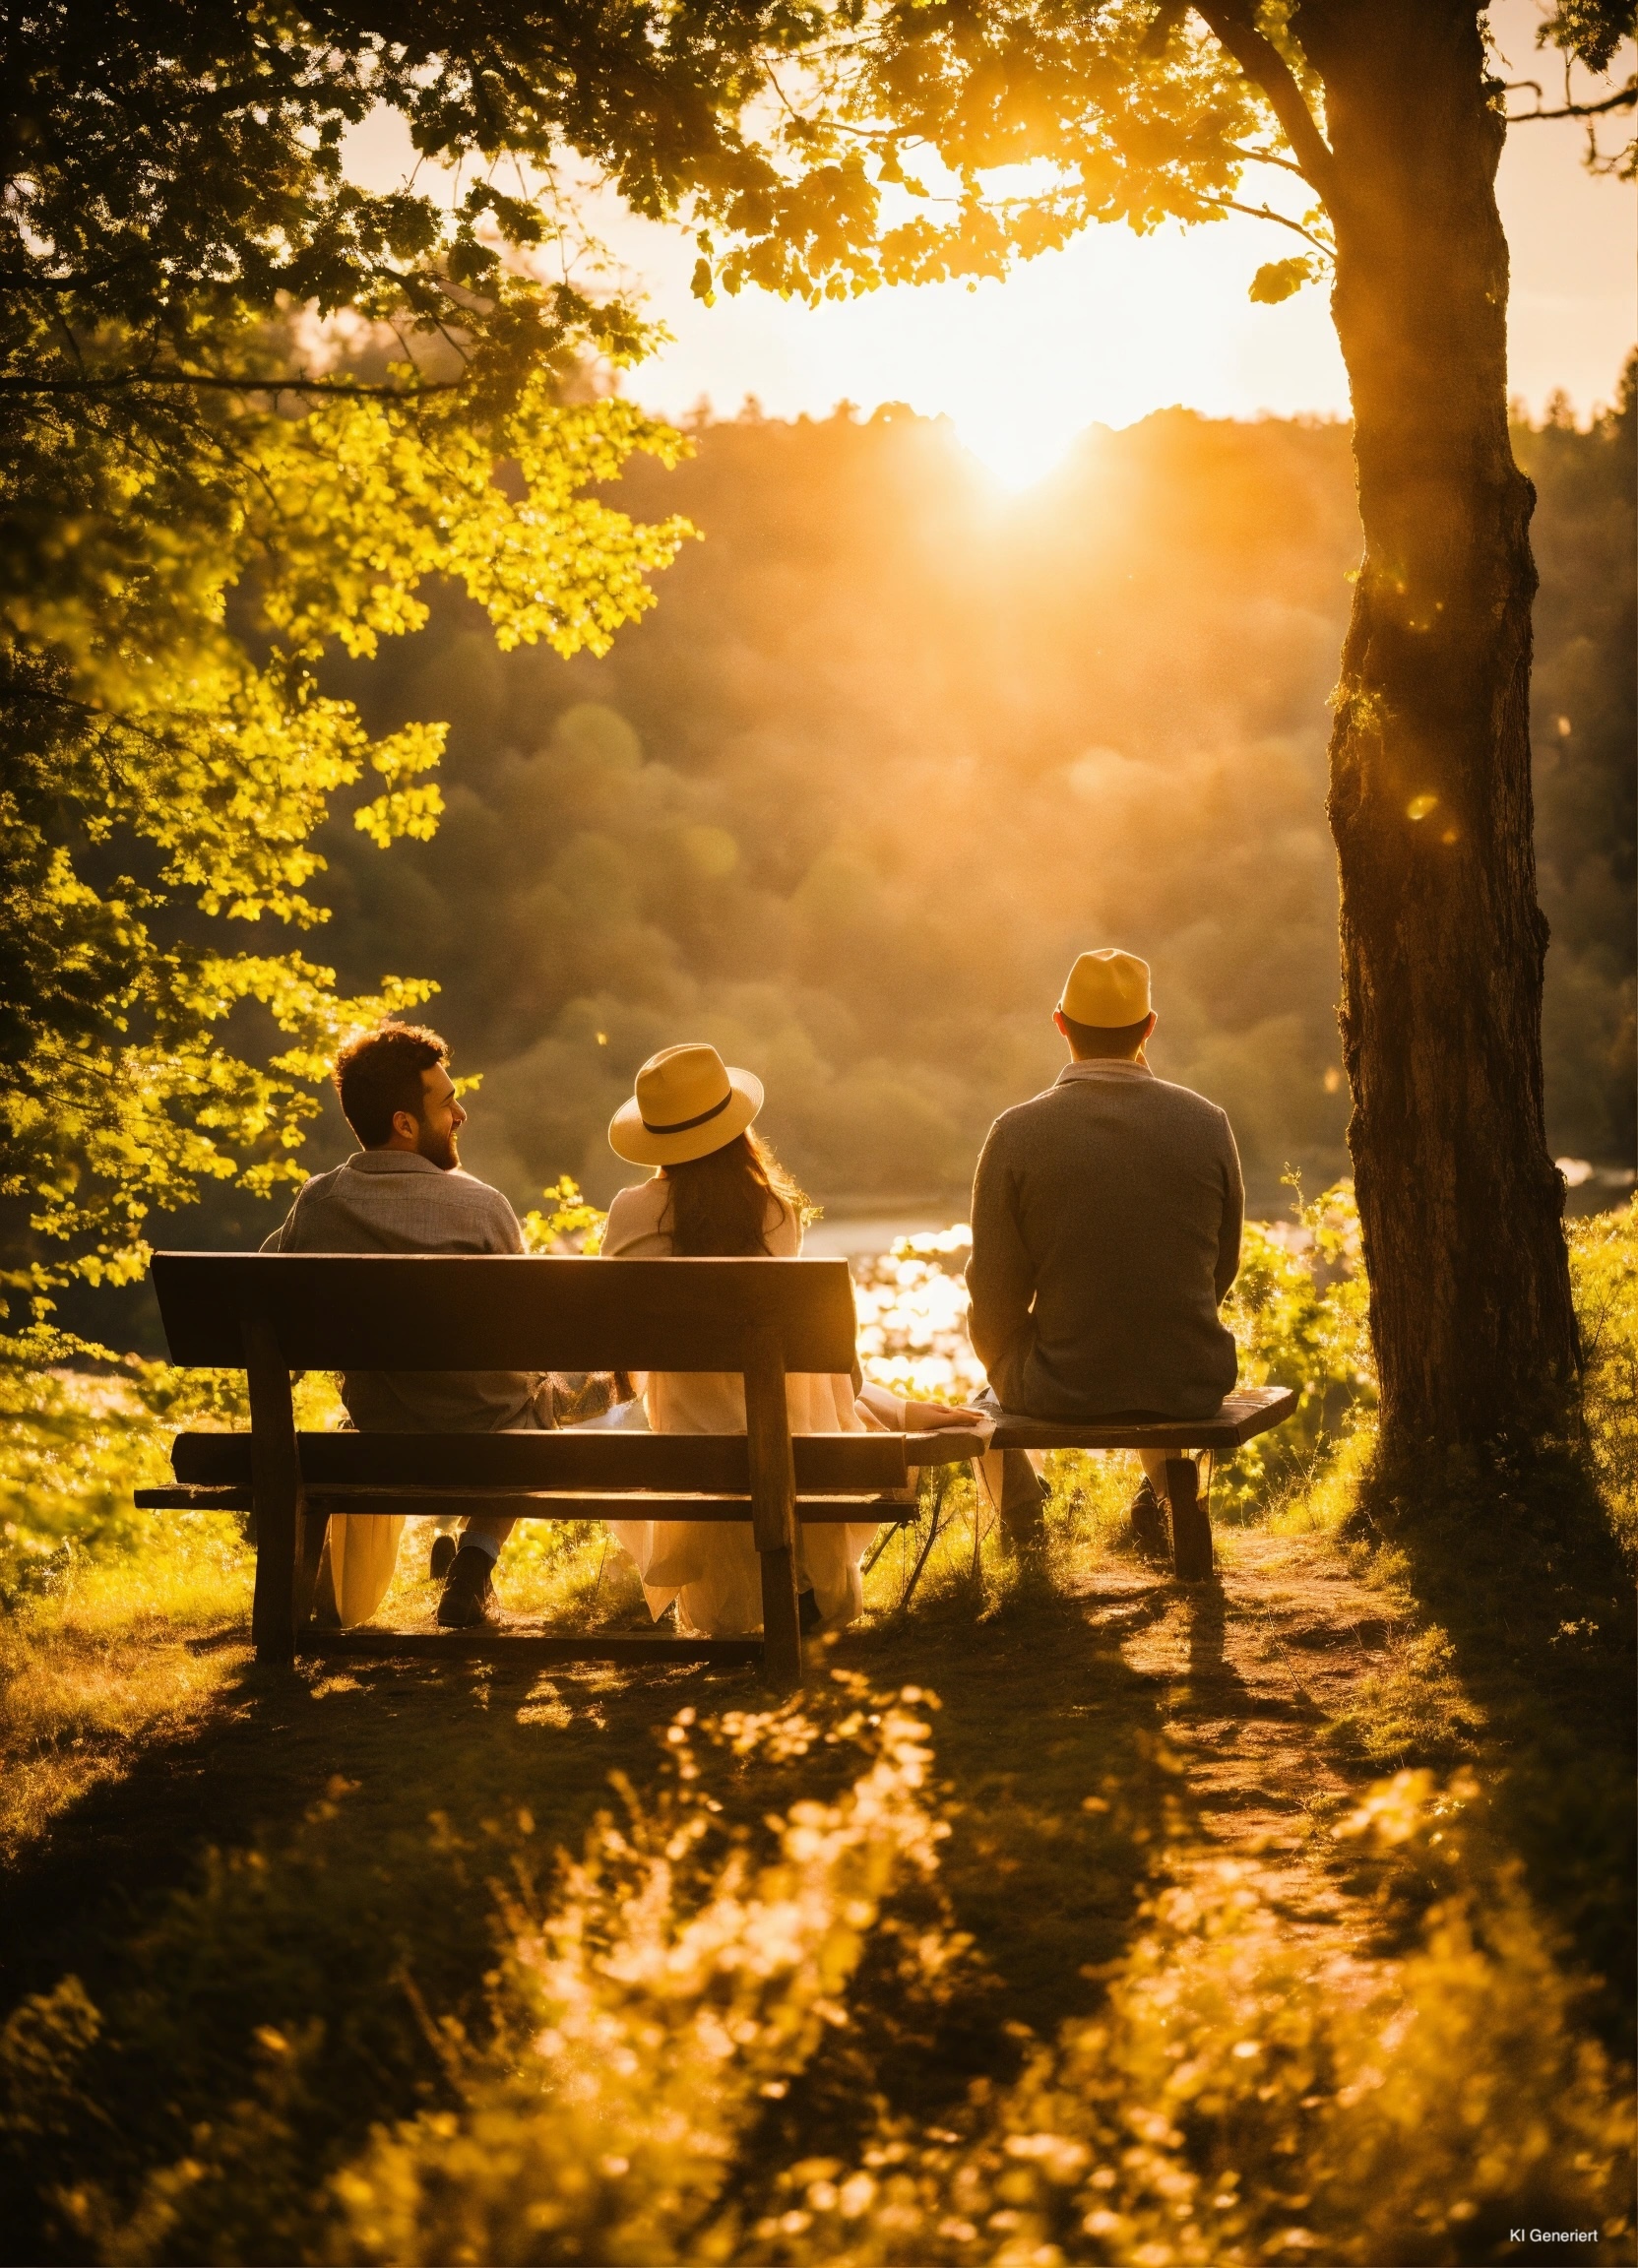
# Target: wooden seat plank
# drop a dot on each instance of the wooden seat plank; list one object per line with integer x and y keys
{"x": 508, "y": 1504}
{"x": 1241, "y": 1417}
{"x": 579, "y": 1457}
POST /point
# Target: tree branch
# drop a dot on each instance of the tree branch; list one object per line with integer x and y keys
{"x": 125, "y": 379}
{"x": 1267, "y": 212}
{"x": 1266, "y": 68}
{"x": 1264, "y": 158}
{"x": 1625, "y": 99}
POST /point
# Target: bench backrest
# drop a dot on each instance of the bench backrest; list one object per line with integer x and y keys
{"x": 442, "y": 1311}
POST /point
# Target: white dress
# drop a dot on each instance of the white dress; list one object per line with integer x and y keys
{"x": 712, "y": 1569}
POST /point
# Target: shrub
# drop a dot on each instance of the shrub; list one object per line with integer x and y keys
{"x": 1299, "y": 1313}
{"x": 1245, "y": 2097}
{"x": 1604, "y": 1269}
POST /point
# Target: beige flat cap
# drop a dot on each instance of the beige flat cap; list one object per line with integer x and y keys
{"x": 1107, "y": 988}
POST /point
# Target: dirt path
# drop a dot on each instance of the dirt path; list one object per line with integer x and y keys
{"x": 1254, "y": 1676}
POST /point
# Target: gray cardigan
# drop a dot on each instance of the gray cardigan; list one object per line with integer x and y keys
{"x": 1107, "y": 1219}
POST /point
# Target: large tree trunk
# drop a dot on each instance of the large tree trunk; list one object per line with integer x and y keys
{"x": 1442, "y": 939}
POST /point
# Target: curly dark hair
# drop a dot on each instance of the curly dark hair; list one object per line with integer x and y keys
{"x": 380, "y": 1073}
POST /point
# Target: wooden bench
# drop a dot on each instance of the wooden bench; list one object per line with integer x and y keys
{"x": 1251, "y": 1411}
{"x": 275, "y": 1313}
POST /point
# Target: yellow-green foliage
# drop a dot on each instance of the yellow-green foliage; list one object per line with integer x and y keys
{"x": 1299, "y": 1313}
{"x": 564, "y": 1220}
{"x": 679, "y": 1977}
{"x": 75, "y": 1443}
{"x": 1604, "y": 1267}
{"x": 647, "y": 2003}
{"x": 1243, "y": 2098}
{"x": 207, "y": 759}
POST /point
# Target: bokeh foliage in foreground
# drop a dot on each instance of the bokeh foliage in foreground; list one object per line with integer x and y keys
{"x": 681, "y": 2048}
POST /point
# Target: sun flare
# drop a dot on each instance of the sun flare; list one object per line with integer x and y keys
{"x": 1016, "y": 448}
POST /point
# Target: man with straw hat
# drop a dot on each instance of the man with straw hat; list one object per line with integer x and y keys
{"x": 1107, "y": 1217}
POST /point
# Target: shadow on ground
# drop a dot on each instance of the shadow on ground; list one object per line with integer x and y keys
{"x": 323, "y": 1852}
{"x": 1519, "y": 1566}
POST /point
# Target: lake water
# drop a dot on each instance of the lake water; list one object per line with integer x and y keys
{"x": 855, "y": 1238}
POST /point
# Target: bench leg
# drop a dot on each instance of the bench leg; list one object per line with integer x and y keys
{"x": 774, "y": 1510}
{"x": 1191, "y": 1523}
{"x": 276, "y": 1491}
{"x": 781, "y": 1628}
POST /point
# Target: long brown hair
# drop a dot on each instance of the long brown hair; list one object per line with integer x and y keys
{"x": 718, "y": 1204}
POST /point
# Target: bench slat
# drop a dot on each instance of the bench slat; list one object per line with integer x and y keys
{"x": 503, "y": 1311}
{"x": 1241, "y": 1418}
{"x": 579, "y": 1457}
{"x": 505, "y": 1504}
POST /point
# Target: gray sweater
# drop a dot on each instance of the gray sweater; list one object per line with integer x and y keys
{"x": 395, "y": 1201}
{"x": 1107, "y": 1222}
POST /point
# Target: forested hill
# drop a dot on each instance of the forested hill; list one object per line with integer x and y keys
{"x": 892, "y": 748}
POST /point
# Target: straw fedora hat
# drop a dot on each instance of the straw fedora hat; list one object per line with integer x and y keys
{"x": 688, "y": 1102}
{"x": 1106, "y": 989}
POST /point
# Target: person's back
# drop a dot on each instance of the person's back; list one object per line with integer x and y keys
{"x": 1107, "y": 1217}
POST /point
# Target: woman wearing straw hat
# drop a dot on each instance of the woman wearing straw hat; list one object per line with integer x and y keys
{"x": 719, "y": 1191}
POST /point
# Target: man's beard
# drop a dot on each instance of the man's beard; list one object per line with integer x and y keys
{"x": 437, "y": 1148}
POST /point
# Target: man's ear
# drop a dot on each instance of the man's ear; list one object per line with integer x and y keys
{"x": 406, "y": 1126}
{"x": 1063, "y": 1027}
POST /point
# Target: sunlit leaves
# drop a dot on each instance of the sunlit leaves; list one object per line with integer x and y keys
{"x": 1025, "y": 123}
{"x": 1279, "y": 280}
{"x": 188, "y": 533}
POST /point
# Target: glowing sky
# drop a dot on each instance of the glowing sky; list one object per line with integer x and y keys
{"x": 1115, "y": 326}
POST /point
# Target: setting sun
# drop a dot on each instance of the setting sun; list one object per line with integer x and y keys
{"x": 1015, "y": 451}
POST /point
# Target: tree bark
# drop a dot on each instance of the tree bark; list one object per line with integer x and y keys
{"x": 1443, "y": 941}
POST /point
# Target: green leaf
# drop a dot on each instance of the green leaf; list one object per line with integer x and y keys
{"x": 1278, "y": 280}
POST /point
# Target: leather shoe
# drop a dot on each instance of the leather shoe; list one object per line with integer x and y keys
{"x": 444, "y": 1548}
{"x": 469, "y": 1597}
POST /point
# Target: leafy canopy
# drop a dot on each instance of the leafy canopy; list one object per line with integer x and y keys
{"x": 248, "y": 407}
{"x": 246, "y": 413}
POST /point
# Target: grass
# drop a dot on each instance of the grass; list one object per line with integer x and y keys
{"x": 123, "y": 1656}
{"x": 1283, "y": 1920}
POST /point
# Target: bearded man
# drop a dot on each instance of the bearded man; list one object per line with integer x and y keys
{"x": 404, "y": 1190}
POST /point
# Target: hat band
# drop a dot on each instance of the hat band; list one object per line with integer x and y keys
{"x": 684, "y": 1125}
